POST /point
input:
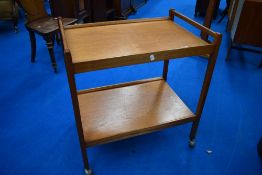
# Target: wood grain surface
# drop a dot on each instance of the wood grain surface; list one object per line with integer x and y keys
{"x": 124, "y": 112}
{"x": 101, "y": 42}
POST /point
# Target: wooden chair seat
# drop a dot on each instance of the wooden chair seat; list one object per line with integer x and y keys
{"x": 38, "y": 21}
{"x": 48, "y": 24}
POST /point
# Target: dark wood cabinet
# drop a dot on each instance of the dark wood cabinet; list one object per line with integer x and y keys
{"x": 125, "y": 7}
{"x": 9, "y": 11}
{"x": 79, "y": 9}
{"x": 247, "y": 23}
{"x": 94, "y": 10}
{"x": 102, "y": 10}
{"x": 245, "y": 26}
{"x": 202, "y": 5}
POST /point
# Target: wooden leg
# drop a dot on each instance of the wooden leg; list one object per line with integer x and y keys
{"x": 57, "y": 37}
{"x": 165, "y": 69}
{"x": 201, "y": 102}
{"x": 200, "y": 106}
{"x": 33, "y": 45}
{"x": 88, "y": 171}
{"x": 193, "y": 132}
{"x": 73, "y": 90}
{"x": 50, "y": 46}
{"x": 229, "y": 49}
{"x": 196, "y": 8}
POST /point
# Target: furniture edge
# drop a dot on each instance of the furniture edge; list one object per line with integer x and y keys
{"x": 143, "y": 131}
{"x": 86, "y": 66}
{"x": 115, "y": 22}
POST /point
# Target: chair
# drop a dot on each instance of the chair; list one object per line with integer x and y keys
{"x": 38, "y": 21}
{"x": 9, "y": 11}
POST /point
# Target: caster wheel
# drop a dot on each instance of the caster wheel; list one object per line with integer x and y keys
{"x": 88, "y": 172}
{"x": 192, "y": 143}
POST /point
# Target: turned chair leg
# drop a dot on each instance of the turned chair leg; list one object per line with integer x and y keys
{"x": 33, "y": 45}
{"x": 50, "y": 45}
{"x": 57, "y": 37}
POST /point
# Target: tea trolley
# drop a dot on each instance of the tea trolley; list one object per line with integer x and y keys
{"x": 110, "y": 113}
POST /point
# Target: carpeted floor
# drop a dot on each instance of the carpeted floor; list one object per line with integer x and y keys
{"x": 37, "y": 129}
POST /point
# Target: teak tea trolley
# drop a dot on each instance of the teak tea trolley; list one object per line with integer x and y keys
{"x": 115, "y": 112}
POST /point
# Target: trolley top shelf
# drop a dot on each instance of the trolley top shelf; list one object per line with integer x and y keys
{"x": 105, "y": 45}
{"x": 110, "y": 41}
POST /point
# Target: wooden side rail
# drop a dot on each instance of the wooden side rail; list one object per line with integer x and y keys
{"x": 62, "y": 31}
{"x": 172, "y": 13}
{"x": 131, "y": 83}
{"x": 115, "y": 22}
{"x": 195, "y": 24}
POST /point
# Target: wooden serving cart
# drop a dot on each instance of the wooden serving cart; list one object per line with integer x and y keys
{"x": 110, "y": 113}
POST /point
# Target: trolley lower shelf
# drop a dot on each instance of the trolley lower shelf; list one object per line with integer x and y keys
{"x": 129, "y": 110}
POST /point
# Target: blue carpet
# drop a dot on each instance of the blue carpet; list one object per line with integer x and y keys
{"x": 38, "y": 133}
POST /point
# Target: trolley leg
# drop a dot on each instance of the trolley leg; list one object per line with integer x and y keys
{"x": 73, "y": 90}
{"x": 204, "y": 91}
{"x": 85, "y": 161}
{"x": 165, "y": 69}
{"x": 193, "y": 132}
